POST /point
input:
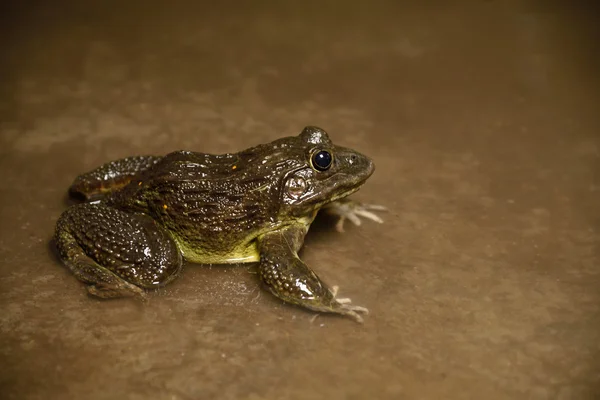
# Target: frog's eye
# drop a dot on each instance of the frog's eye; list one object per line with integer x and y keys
{"x": 321, "y": 160}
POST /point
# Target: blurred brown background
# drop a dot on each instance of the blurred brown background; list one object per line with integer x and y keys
{"x": 482, "y": 119}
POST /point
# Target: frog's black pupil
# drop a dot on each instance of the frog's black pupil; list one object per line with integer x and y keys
{"x": 322, "y": 160}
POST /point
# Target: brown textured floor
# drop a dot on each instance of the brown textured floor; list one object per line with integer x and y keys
{"x": 482, "y": 118}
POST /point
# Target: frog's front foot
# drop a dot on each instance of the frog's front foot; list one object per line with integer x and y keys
{"x": 345, "y": 307}
{"x": 351, "y": 210}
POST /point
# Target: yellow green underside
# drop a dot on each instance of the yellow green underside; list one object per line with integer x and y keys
{"x": 241, "y": 254}
{"x": 245, "y": 252}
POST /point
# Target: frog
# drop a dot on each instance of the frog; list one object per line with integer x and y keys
{"x": 143, "y": 217}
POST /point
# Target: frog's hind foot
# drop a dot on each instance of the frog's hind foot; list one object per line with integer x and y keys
{"x": 116, "y": 290}
{"x": 352, "y": 211}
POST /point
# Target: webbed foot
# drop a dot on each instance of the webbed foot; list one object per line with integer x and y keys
{"x": 116, "y": 290}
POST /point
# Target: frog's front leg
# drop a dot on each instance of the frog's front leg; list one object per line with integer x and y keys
{"x": 352, "y": 210}
{"x": 290, "y": 279}
{"x": 116, "y": 253}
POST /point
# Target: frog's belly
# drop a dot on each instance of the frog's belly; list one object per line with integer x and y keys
{"x": 240, "y": 254}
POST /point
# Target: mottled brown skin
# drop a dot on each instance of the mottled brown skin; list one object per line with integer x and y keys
{"x": 152, "y": 212}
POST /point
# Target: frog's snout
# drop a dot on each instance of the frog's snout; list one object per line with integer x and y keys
{"x": 370, "y": 166}
{"x": 357, "y": 165}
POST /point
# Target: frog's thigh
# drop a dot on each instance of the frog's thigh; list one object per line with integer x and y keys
{"x": 110, "y": 176}
{"x": 116, "y": 253}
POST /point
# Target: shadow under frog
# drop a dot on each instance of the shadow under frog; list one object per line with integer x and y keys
{"x": 142, "y": 216}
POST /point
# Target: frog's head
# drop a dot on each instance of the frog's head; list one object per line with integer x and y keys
{"x": 325, "y": 173}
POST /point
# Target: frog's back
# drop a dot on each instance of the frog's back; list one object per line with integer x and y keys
{"x": 214, "y": 205}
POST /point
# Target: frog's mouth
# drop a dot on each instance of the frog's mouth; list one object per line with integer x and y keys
{"x": 354, "y": 170}
{"x": 353, "y": 183}
{"x": 346, "y": 193}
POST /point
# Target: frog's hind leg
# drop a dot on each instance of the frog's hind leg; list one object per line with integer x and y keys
{"x": 116, "y": 253}
{"x": 110, "y": 177}
{"x": 101, "y": 281}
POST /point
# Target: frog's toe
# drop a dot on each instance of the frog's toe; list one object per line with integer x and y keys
{"x": 351, "y": 311}
{"x": 355, "y": 314}
{"x": 334, "y": 290}
{"x": 357, "y": 309}
{"x": 344, "y": 300}
{"x": 353, "y": 211}
{"x": 344, "y": 306}
{"x": 366, "y": 212}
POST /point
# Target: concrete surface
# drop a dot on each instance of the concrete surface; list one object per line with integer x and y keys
{"x": 482, "y": 118}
